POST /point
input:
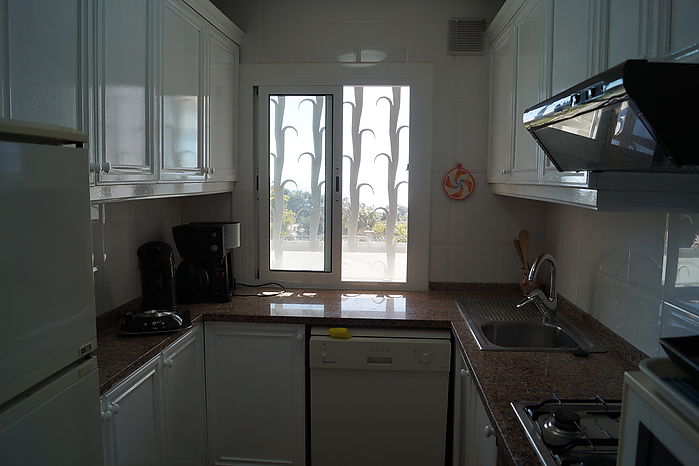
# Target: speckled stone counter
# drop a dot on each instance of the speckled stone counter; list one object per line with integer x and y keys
{"x": 502, "y": 377}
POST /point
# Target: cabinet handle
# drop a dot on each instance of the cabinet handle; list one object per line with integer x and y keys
{"x": 94, "y": 167}
{"x": 299, "y": 337}
{"x": 212, "y": 170}
{"x": 114, "y": 408}
{"x": 168, "y": 362}
{"x": 488, "y": 431}
{"x": 106, "y": 167}
{"x": 106, "y": 415}
{"x": 464, "y": 372}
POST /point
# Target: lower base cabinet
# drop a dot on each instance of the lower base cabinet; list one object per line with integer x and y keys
{"x": 157, "y": 415}
{"x": 255, "y": 393}
{"x": 474, "y": 435}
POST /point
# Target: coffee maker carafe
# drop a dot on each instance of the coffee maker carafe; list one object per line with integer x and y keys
{"x": 206, "y": 271}
{"x": 157, "y": 266}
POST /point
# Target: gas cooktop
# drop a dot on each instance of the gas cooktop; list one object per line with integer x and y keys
{"x": 572, "y": 432}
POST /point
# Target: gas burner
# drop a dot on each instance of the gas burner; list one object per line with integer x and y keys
{"x": 572, "y": 432}
{"x": 561, "y": 428}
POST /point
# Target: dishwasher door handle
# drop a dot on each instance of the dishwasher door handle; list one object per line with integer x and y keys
{"x": 381, "y": 361}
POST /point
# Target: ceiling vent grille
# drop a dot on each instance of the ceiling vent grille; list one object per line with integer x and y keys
{"x": 466, "y": 36}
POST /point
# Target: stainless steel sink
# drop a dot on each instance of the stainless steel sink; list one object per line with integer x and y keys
{"x": 527, "y": 335}
{"x": 498, "y": 325}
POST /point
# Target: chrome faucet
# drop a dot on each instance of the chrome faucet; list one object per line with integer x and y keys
{"x": 547, "y": 304}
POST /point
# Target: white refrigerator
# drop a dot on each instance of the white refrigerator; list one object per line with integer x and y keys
{"x": 49, "y": 389}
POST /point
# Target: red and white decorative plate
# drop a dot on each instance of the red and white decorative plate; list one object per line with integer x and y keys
{"x": 458, "y": 183}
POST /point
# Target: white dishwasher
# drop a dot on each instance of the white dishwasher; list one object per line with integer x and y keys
{"x": 379, "y": 398}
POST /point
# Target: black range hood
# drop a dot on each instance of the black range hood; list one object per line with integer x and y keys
{"x": 638, "y": 116}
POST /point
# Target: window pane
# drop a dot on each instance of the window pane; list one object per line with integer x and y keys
{"x": 297, "y": 183}
{"x": 375, "y": 183}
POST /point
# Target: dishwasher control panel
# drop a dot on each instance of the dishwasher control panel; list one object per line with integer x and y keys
{"x": 375, "y": 353}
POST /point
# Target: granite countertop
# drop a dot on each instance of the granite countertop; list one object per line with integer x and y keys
{"x": 501, "y": 376}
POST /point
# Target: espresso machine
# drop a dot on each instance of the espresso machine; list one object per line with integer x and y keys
{"x": 159, "y": 311}
{"x": 206, "y": 271}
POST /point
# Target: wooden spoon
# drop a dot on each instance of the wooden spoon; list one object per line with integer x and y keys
{"x": 524, "y": 245}
{"x": 518, "y": 248}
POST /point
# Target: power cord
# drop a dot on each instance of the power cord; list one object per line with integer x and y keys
{"x": 261, "y": 295}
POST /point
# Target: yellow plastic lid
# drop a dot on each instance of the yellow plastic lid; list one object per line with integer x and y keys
{"x": 339, "y": 332}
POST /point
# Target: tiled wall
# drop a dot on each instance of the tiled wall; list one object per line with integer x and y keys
{"x": 471, "y": 240}
{"x": 119, "y": 228}
{"x": 610, "y": 264}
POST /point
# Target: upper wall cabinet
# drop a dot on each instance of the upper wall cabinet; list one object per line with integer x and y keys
{"x": 126, "y": 103}
{"x": 222, "y": 122}
{"x": 520, "y": 74}
{"x": 650, "y": 28}
{"x": 539, "y": 48}
{"x": 183, "y": 93}
{"x": 154, "y": 83}
{"x": 42, "y": 61}
{"x": 167, "y": 102}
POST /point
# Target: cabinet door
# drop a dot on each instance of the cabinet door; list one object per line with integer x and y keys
{"x": 474, "y": 440}
{"x": 502, "y": 98}
{"x": 126, "y": 90}
{"x": 575, "y": 58}
{"x": 45, "y": 61}
{"x": 684, "y": 30}
{"x": 533, "y": 45}
{"x": 255, "y": 379}
{"x": 185, "y": 409}
{"x": 222, "y": 112}
{"x": 132, "y": 419}
{"x": 182, "y": 115}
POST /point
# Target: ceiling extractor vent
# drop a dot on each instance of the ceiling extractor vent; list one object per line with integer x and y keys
{"x": 466, "y": 36}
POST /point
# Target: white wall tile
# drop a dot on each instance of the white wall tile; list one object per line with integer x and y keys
{"x": 642, "y": 327}
{"x": 444, "y": 154}
{"x": 473, "y": 264}
{"x": 426, "y": 42}
{"x": 250, "y": 49}
{"x": 331, "y": 11}
{"x": 509, "y": 267}
{"x": 326, "y": 42}
{"x": 440, "y": 263}
{"x": 284, "y": 42}
{"x": 284, "y": 11}
{"x": 401, "y": 10}
{"x": 471, "y": 133}
{"x": 646, "y": 249}
{"x": 475, "y": 220}
{"x": 615, "y": 238}
{"x": 389, "y": 39}
{"x": 440, "y": 212}
{"x": 610, "y": 306}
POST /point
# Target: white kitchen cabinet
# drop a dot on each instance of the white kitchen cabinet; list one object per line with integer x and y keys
{"x": 533, "y": 25}
{"x": 255, "y": 393}
{"x": 157, "y": 416}
{"x": 183, "y": 155}
{"x": 502, "y": 71}
{"x": 184, "y": 402}
{"x": 127, "y": 103}
{"x": 222, "y": 116}
{"x": 558, "y": 44}
{"x": 650, "y": 28}
{"x": 43, "y": 63}
{"x": 474, "y": 437}
{"x": 575, "y": 57}
{"x": 132, "y": 414}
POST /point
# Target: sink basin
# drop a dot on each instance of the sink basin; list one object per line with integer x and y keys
{"x": 498, "y": 325}
{"x": 527, "y": 335}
